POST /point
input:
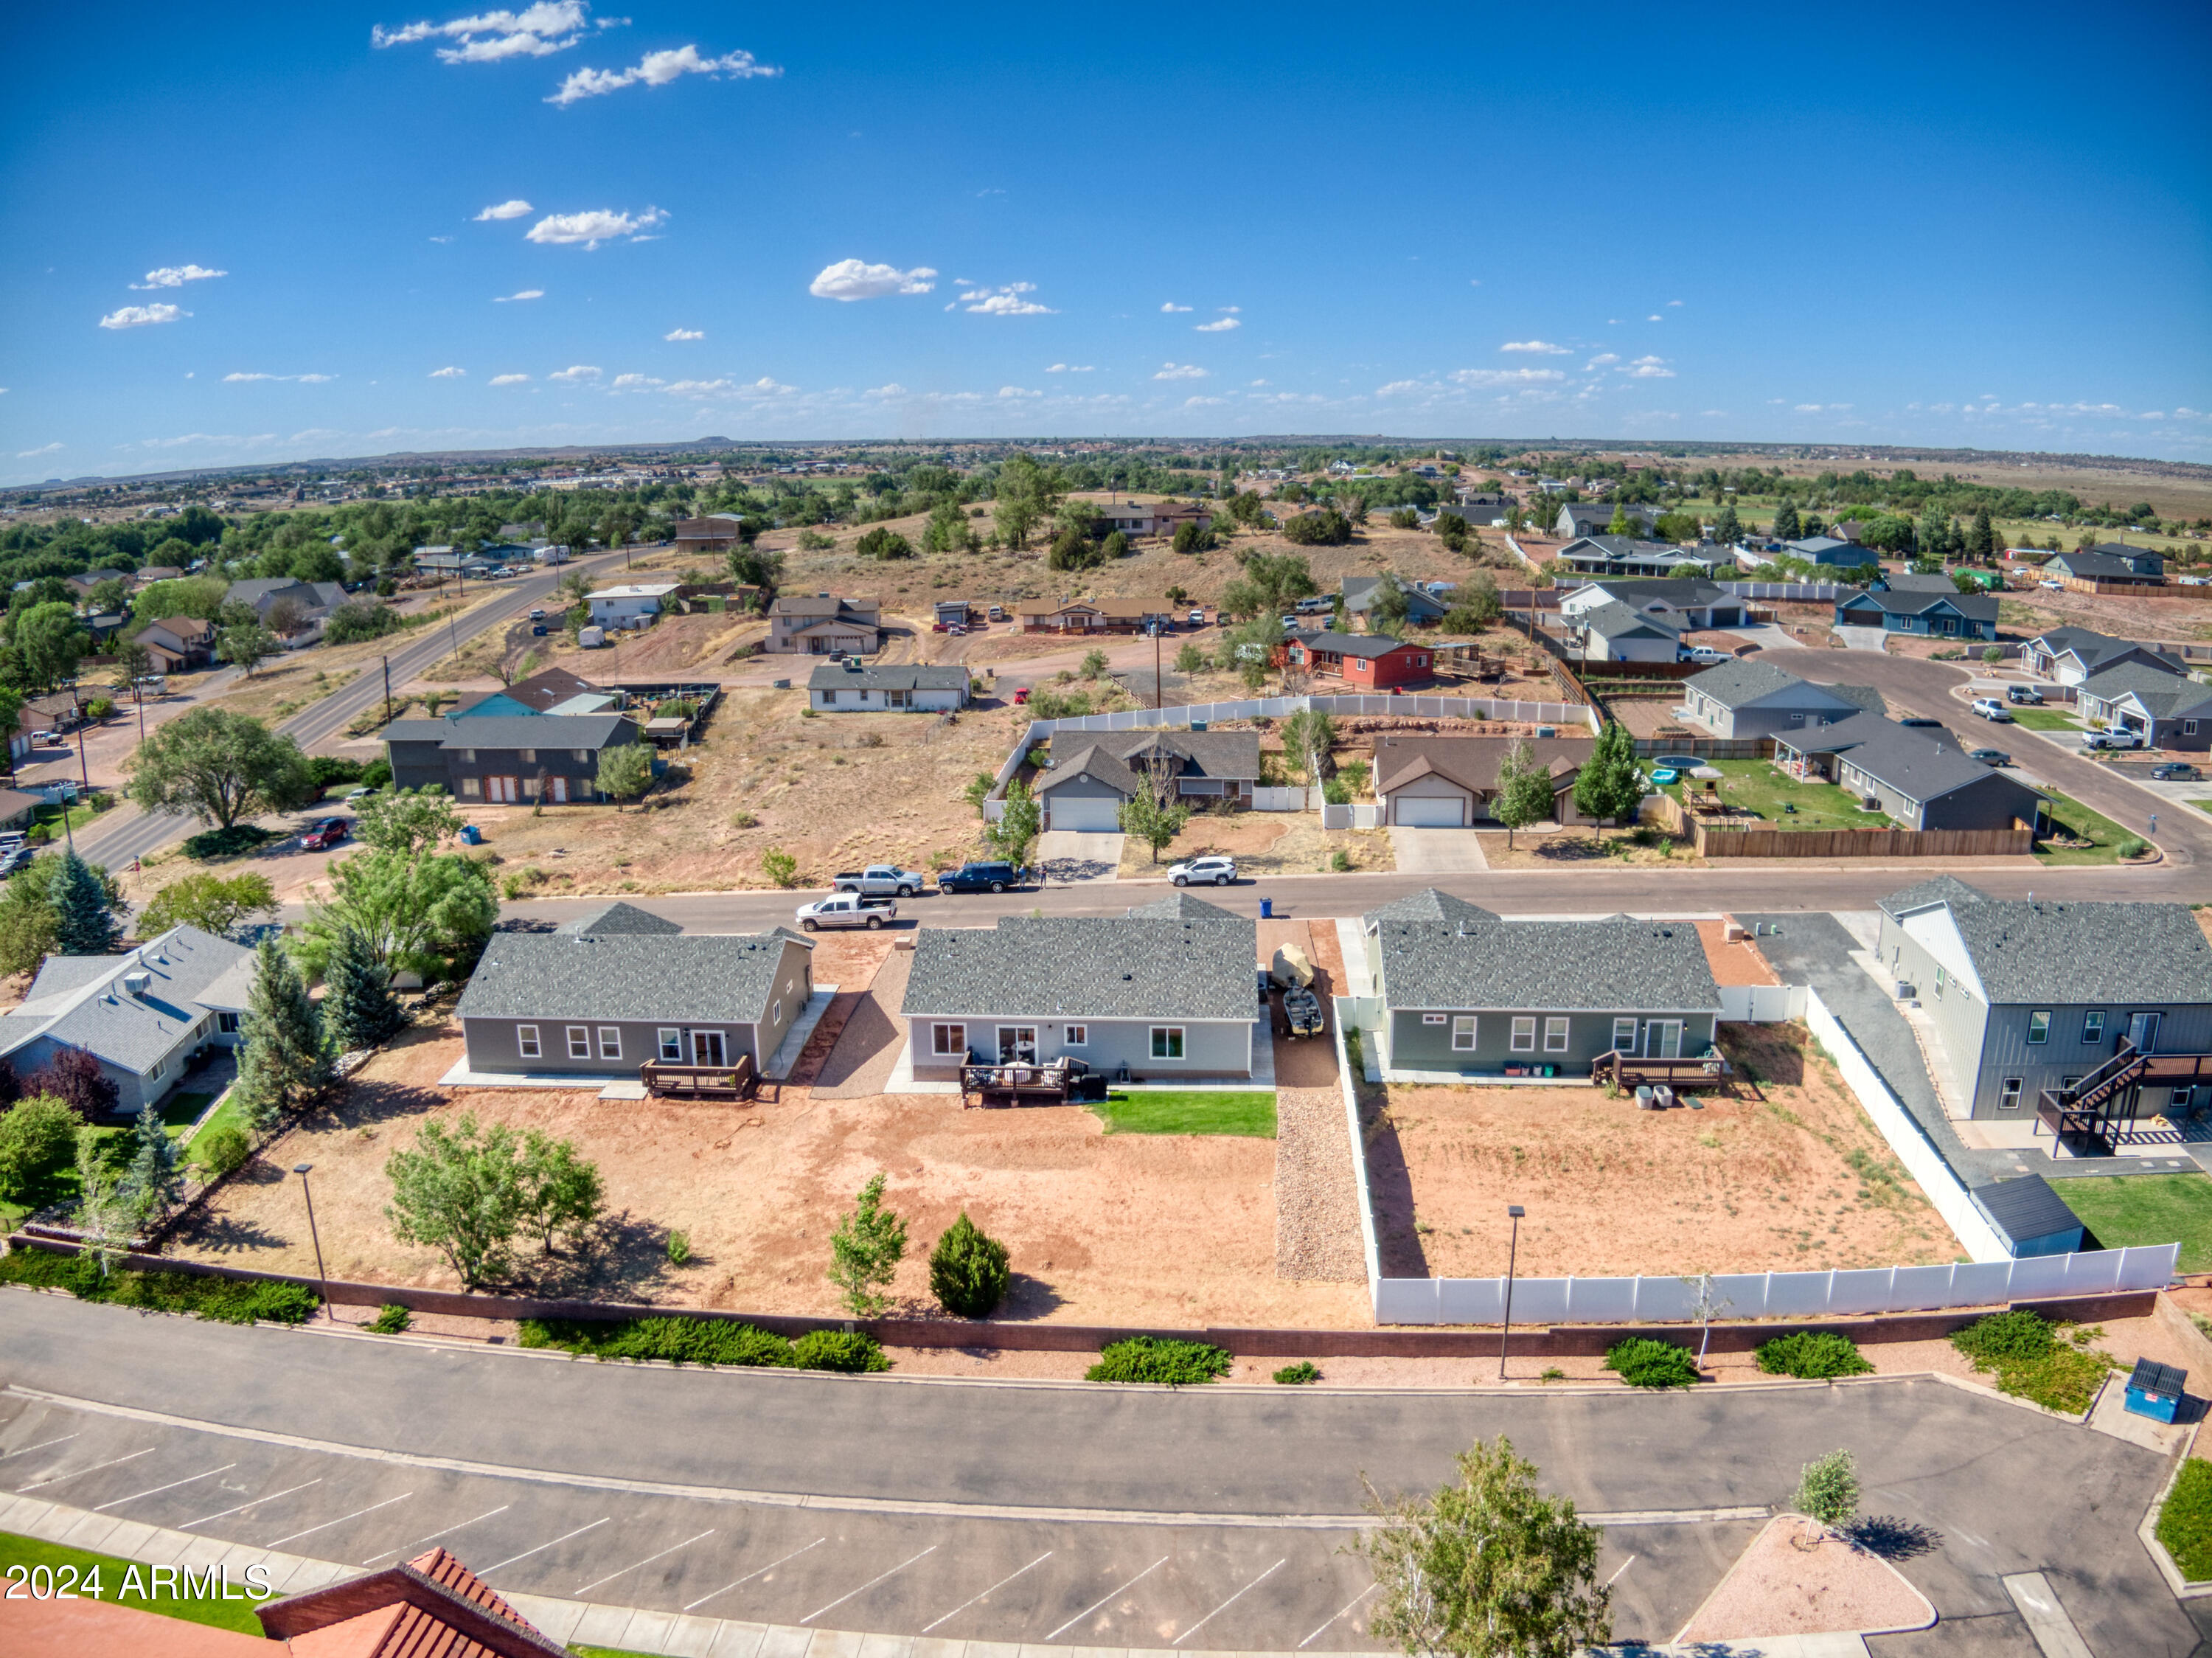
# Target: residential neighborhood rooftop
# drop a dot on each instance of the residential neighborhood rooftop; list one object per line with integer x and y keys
{"x": 1565, "y": 965}
{"x": 2032, "y": 949}
{"x": 888, "y": 676}
{"x": 1195, "y": 967}
{"x": 701, "y": 976}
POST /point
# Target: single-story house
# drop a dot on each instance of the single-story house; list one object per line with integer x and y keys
{"x": 1614, "y": 633}
{"x": 144, "y": 1014}
{"x": 1754, "y": 699}
{"x": 505, "y": 759}
{"x": 821, "y": 624}
{"x": 1164, "y": 518}
{"x": 1095, "y": 616}
{"x": 620, "y": 917}
{"x": 1366, "y": 661}
{"x": 2108, "y": 564}
{"x": 1464, "y": 991}
{"x": 178, "y": 642}
{"x": 303, "y": 606}
{"x": 154, "y": 573}
{"x": 850, "y": 686}
{"x": 1094, "y": 772}
{"x": 1626, "y": 555}
{"x": 549, "y": 691}
{"x": 1920, "y": 776}
{"x": 442, "y": 561}
{"x": 604, "y": 1004}
{"x": 2071, "y": 654}
{"x": 1480, "y": 509}
{"x": 1683, "y": 605}
{"x": 1450, "y": 783}
{"x": 2029, "y": 994}
{"x": 1578, "y": 518}
{"x": 16, "y": 806}
{"x": 628, "y": 602}
{"x": 1851, "y": 529}
{"x": 1829, "y": 550}
{"x": 1946, "y": 615}
{"x": 715, "y": 533}
{"x": 2168, "y": 711}
{"x": 1423, "y": 608}
{"x": 1169, "y": 998}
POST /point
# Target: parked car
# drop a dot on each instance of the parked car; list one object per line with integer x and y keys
{"x": 324, "y": 835}
{"x": 16, "y": 857}
{"x": 361, "y": 793}
{"x": 2175, "y": 771}
{"x": 538, "y": 613}
{"x": 1990, "y": 708}
{"x": 1703, "y": 656}
{"x": 847, "y": 909}
{"x": 982, "y": 878}
{"x": 1219, "y": 870}
{"x": 2119, "y": 737}
{"x": 1990, "y": 756}
{"x": 2024, "y": 693}
{"x": 881, "y": 881}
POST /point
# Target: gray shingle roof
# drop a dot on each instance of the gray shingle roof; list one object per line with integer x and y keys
{"x": 2034, "y": 951}
{"x": 1350, "y": 644}
{"x": 1675, "y": 590}
{"x": 1429, "y": 904}
{"x": 1557, "y": 966}
{"x": 1183, "y": 906}
{"x": 79, "y": 1000}
{"x": 1086, "y": 967}
{"x": 1233, "y": 756}
{"x": 506, "y": 731}
{"x": 1937, "y": 889}
{"x": 2161, "y": 691}
{"x": 619, "y": 918}
{"x": 1974, "y": 606}
{"x": 895, "y": 676}
{"x": 1358, "y": 593}
{"x": 2099, "y": 566}
{"x": 725, "y": 977}
{"x": 2026, "y": 1207}
{"x": 1615, "y": 620}
{"x": 1862, "y": 696}
{"x": 1471, "y": 762}
{"x": 2089, "y": 646}
{"x": 1737, "y": 684}
{"x": 1920, "y": 764}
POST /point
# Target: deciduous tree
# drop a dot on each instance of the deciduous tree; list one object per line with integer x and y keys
{"x": 411, "y": 821}
{"x": 459, "y": 1191}
{"x": 220, "y": 766}
{"x": 213, "y": 904}
{"x": 1608, "y": 786}
{"x": 1153, "y": 814}
{"x": 427, "y": 915}
{"x": 1014, "y": 835}
{"x": 625, "y": 771}
{"x": 77, "y": 1080}
{"x": 865, "y": 1251}
{"x": 559, "y": 1194}
{"x": 1524, "y": 790}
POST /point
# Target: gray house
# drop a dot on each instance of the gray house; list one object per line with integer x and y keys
{"x": 1466, "y": 993}
{"x": 601, "y": 1005}
{"x": 1683, "y": 605}
{"x": 1949, "y": 615}
{"x": 853, "y": 686}
{"x": 2029, "y": 994}
{"x": 1451, "y": 782}
{"x": 1919, "y": 776}
{"x": 1625, "y": 555}
{"x": 1754, "y": 698}
{"x": 2109, "y": 563}
{"x": 2071, "y": 654}
{"x": 1614, "y": 633}
{"x": 507, "y": 760}
{"x": 1169, "y": 997}
{"x": 1094, "y": 772}
{"x": 1596, "y": 518}
{"x": 2167, "y": 711}
{"x": 1422, "y": 607}
{"x": 143, "y": 1015}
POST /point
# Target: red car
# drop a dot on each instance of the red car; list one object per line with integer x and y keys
{"x": 1021, "y": 696}
{"x": 324, "y": 835}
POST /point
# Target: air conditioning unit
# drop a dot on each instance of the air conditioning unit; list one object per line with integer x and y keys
{"x": 1872, "y": 803}
{"x": 136, "y": 983}
{"x": 1907, "y": 992}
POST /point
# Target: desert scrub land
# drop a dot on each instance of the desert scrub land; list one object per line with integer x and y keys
{"x": 1784, "y": 1173}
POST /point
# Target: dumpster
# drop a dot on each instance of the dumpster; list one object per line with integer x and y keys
{"x": 470, "y": 835}
{"x": 2155, "y": 1390}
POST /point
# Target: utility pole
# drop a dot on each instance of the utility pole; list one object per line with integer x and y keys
{"x": 1156, "y": 700}
{"x": 388, "y": 689}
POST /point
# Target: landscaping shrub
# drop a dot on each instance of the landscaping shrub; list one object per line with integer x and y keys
{"x": 37, "y": 1141}
{"x": 1643, "y": 1362}
{"x": 327, "y": 771}
{"x": 1143, "y": 1359}
{"x": 679, "y": 1248}
{"x": 2023, "y": 1351}
{"x": 852, "y": 1351}
{"x": 227, "y": 1301}
{"x": 2014, "y": 1337}
{"x": 968, "y": 1271}
{"x": 1298, "y": 1374}
{"x": 676, "y": 1340}
{"x": 233, "y": 842}
{"x": 1811, "y": 1355}
{"x": 780, "y": 867}
{"x": 220, "y": 1150}
{"x": 377, "y": 774}
{"x": 390, "y": 1320}
{"x": 2184, "y": 1521}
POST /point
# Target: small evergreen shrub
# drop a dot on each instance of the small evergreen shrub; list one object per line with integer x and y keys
{"x": 2185, "y": 1522}
{"x": 1144, "y": 1358}
{"x": 968, "y": 1271}
{"x": 220, "y": 1150}
{"x": 2014, "y": 1338}
{"x": 392, "y": 1319}
{"x": 675, "y": 1340}
{"x": 1642, "y": 1362}
{"x": 852, "y": 1351}
{"x": 679, "y": 1248}
{"x": 1299, "y": 1374}
{"x": 1811, "y": 1354}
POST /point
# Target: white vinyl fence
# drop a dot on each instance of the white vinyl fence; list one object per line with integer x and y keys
{"x": 1285, "y": 799}
{"x": 1356, "y": 815}
{"x": 1762, "y": 1004}
{"x": 1815, "y": 591}
{"x": 1451, "y": 708}
{"x": 1348, "y": 1017}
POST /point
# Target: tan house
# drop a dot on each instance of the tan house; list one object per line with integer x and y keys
{"x": 1093, "y": 615}
{"x": 1450, "y": 783}
{"x": 823, "y": 624}
{"x": 177, "y": 642}
{"x": 715, "y": 533}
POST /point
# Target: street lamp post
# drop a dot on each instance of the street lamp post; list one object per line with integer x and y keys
{"x": 302, "y": 1169}
{"x": 1514, "y": 1212}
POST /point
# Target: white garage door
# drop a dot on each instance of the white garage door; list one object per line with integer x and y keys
{"x": 1095, "y": 814}
{"x": 1415, "y": 812}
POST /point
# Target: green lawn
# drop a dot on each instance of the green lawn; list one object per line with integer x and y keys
{"x": 2104, "y": 836}
{"x": 1758, "y": 786}
{"x": 1192, "y": 1112}
{"x": 2202, "y": 805}
{"x": 235, "y": 1615}
{"x": 2126, "y": 1210}
{"x": 2046, "y": 719}
{"x": 180, "y": 1111}
{"x": 232, "y": 1115}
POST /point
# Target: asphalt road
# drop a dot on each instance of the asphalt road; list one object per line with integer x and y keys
{"x": 126, "y": 832}
{"x": 878, "y": 1504}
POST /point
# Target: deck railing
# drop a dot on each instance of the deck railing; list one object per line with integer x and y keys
{"x": 733, "y": 1081}
{"x": 1628, "y": 1070}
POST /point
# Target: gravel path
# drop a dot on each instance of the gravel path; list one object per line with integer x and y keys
{"x": 1316, "y": 1202}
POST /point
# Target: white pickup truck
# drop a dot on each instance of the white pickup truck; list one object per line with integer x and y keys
{"x": 847, "y": 909}
{"x": 880, "y": 880}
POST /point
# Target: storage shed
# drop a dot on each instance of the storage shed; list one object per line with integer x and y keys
{"x": 2030, "y": 1217}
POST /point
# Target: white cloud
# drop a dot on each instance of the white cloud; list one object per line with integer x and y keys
{"x": 1400, "y": 387}
{"x": 574, "y": 373}
{"x": 658, "y": 69}
{"x": 1172, "y": 306}
{"x": 441, "y": 239}
{"x": 1539, "y": 347}
{"x": 1649, "y": 368}
{"x": 852, "y": 279}
{"x": 1196, "y": 402}
{"x": 1655, "y": 317}
{"x": 1506, "y": 376}
{"x": 304, "y": 380}
{"x": 1008, "y": 302}
{"x": 1220, "y": 327}
{"x": 894, "y": 389}
{"x": 763, "y": 386}
{"x": 1231, "y": 309}
{"x": 591, "y": 228}
{"x": 1603, "y": 359}
{"x": 25, "y": 454}
{"x": 176, "y": 276}
{"x": 139, "y": 316}
{"x": 1262, "y": 382}
{"x": 685, "y": 333}
{"x": 507, "y": 209}
{"x": 491, "y": 37}
{"x": 1016, "y": 391}
{"x": 1180, "y": 371}
{"x": 448, "y": 374}
{"x": 1672, "y": 302}
{"x": 527, "y": 293}
{"x": 509, "y": 380}
{"x": 632, "y": 382}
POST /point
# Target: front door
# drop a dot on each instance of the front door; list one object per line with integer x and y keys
{"x": 505, "y": 790}
{"x": 1018, "y": 1045}
{"x": 556, "y": 790}
{"x": 707, "y": 1048}
{"x": 2143, "y": 1030}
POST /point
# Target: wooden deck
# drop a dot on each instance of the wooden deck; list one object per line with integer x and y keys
{"x": 734, "y": 1081}
{"x": 1630, "y": 1071}
{"x": 999, "y": 1086}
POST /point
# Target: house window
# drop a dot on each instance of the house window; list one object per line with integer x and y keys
{"x": 1524, "y": 1034}
{"x": 581, "y": 756}
{"x": 2038, "y": 1026}
{"x": 2009, "y": 1096}
{"x": 1555, "y": 1035}
{"x": 1463, "y": 1033}
{"x": 468, "y": 756}
{"x": 1079, "y": 1036}
{"x": 671, "y": 1044}
{"x": 526, "y": 1043}
{"x": 948, "y": 1040}
{"x": 155, "y": 1074}
{"x": 2093, "y": 1027}
{"x": 529, "y": 756}
{"x": 1939, "y": 983}
{"x": 1167, "y": 1041}
{"x": 2189, "y": 728}
{"x": 828, "y": 697}
{"x": 227, "y": 1024}
{"x": 472, "y": 789}
{"x": 1432, "y": 1019}
{"x": 610, "y": 1041}
{"x": 1624, "y": 1034}
{"x": 2067, "y": 1083}
{"x": 580, "y": 1042}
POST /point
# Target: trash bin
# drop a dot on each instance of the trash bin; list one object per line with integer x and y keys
{"x": 470, "y": 835}
{"x": 1266, "y": 909}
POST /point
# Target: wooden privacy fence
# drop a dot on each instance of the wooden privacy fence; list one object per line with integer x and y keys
{"x": 1718, "y": 841}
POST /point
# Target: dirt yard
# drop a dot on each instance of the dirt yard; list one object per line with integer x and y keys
{"x": 1782, "y": 1172}
{"x": 1263, "y": 843}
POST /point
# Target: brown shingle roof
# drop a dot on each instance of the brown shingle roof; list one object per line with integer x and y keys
{"x": 1470, "y": 762}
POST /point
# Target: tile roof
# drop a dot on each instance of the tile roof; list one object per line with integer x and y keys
{"x": 890, "y": 676}
{"x": 432, "y": 1607}
{"x": 696, "y": 976}
{"x": 1560, "y": 967}
{"x": 80, "y": 1000}
{"x": 1748, "y": 679}
{"x": 1086, "y": 967}
{"x": 619, "y": 918}
{"x": 1470, "y": 762}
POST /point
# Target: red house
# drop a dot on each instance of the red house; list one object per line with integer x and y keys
{"x": 1372, "y": 662}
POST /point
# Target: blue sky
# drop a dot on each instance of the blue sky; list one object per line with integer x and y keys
{"x": 259, "y": 232}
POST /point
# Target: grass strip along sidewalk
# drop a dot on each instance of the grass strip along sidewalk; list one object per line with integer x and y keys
{"x": 123, "y": 1582}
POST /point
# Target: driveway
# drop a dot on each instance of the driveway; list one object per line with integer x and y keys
{"x": 1766, "y": 636}
{"x": 1862, "y": 638}
{"x": 1439, "y": 851}
{"x": 1069, "y": 855}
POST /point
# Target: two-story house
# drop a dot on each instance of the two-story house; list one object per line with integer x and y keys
{"x": 823, "y": 624}
{"x": 507, "y": 760}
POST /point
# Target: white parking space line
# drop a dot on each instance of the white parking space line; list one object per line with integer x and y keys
{"x": 648, "y": 1561}
{"x": 865, "y": 1587}
{"x": 1104, "y": 1598}
{"x": 340, "y": 1520}
{"x": 56, "y": 1479}
{"x": 435, "y": 1536}
{"x": 1230, "y": 1602}
{"x": 749, "y": 1575}
{"x": 171, "y": 1486}
{"x": 242, "y": 1506}
{"x": 994, "y": 1588}
{"x": 1348, "y": 1606}
{"x": 1625, "y": 1565}
{"x": 541, "y": 1547}
{"x": 25, "y": 1450}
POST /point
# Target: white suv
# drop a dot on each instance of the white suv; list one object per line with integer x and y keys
{"x": 1219, "y": 870}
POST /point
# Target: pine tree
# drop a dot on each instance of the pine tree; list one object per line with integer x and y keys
{"x": 1786, "y": 525}
{"x": 359, "y": 1010}
{"x": 153, "y": 1182}
{"x": 83, "y": 923}
{"x": 1982, "y": 540}
{"x": 286, "y": 1061}
{"x": 1727, "y": 529}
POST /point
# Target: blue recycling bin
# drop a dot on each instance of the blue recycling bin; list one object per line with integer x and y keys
{"x": 1266, "y": 909}
{"x": 470, "y": 835}
{"x": 2155, "y": 1390}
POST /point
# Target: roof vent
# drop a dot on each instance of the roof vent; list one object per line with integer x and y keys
{"x": 136, "y": 983}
